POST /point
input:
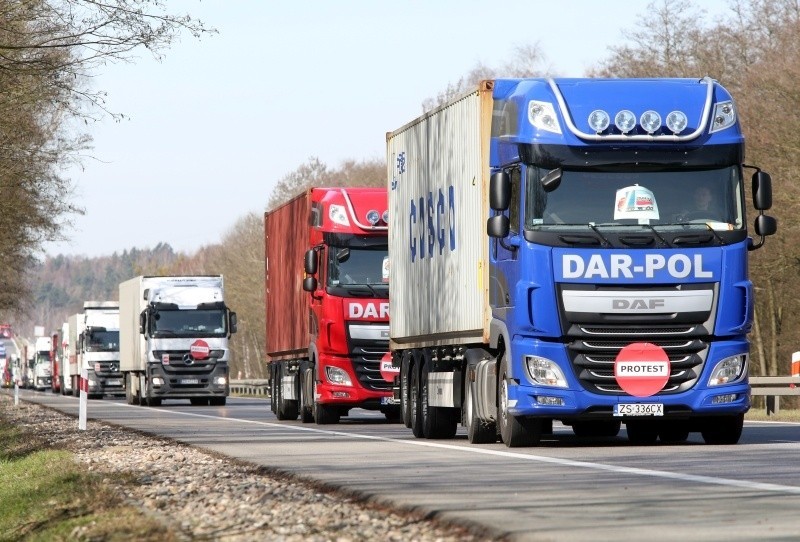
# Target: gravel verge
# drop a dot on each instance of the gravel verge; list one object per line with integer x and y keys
{"x": 207, "y": 496}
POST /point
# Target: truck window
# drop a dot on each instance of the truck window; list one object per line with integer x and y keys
{"x": 351, "y": 265}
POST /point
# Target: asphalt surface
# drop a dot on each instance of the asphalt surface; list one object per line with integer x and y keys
{"x": 565, "y": 489}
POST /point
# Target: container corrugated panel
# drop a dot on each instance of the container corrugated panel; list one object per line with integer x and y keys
{"x": 286, "y": 235}
{"x": 132, "y": 356}
{"x": 438, "y": 184}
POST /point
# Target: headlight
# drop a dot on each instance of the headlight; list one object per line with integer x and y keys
{"x": 220, "y": 380}
{"x": 625, "y": 121}
{"x": 338, "y": 215}
{"x": 545, "y": 372}
{"x": 724, "y": 116}
{"x": 650, "y": 121}
{"x": 599, "y": 120}
{"x": 338, "y": 376}
{"x": 543, "y": 116}
{"x": 677, "y": 122}
{"x": 728, "y": 370}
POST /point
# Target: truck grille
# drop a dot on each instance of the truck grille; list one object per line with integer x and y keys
{"x": 366, "y": 356}
{"x": 595, "y": 340}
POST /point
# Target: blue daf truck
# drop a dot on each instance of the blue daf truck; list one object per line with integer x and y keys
{"x": 574, "y": 250}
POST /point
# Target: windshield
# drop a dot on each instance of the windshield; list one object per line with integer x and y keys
{"x": 188, "y": 323}
{"x": 103, "y": 341}
{"x": 709, "y": 198}
{"x": 348, "y": 265}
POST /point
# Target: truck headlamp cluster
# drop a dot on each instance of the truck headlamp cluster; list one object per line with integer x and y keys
{"x": 730, "y": 369}
{"x": 545, "y": 372}
{"x": 724, "y": 116}
{"x": 543, "y": 116}
{"x": 338, "y": 376}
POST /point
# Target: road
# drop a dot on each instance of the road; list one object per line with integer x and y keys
{"x": 566, "y": 489}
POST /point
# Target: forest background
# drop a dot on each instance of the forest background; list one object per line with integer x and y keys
{"x": 754, "y": 52}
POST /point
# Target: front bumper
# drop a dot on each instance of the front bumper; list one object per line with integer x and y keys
{"x": 188, "y": 384}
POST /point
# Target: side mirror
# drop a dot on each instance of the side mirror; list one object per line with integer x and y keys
{"x": 310, "y": 284}
{"x": 311, "y": 262}
{"x": 552, "y": 180}
{"x": 766, "y": 225}
{"x": 762, "y": 191}
{"x": 142, "y": 321}
{"x": 497, "y": 226}
{"x": 499, "y": 191}
{"x": 232, "y": 321}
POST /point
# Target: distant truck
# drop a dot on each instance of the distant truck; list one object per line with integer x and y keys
{"x": 94, "y": 336}
{"x": 174, "y": 333}
{"x": 327, "y": 332}
{"x": 555, "y": 257}
{"x": 41, "y": 374}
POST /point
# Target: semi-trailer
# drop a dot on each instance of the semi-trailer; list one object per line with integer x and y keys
{"x": 550, "y": 261}
{"x": 327, "y": 308}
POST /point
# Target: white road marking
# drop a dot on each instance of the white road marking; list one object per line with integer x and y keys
{"x": 683, "y": 477}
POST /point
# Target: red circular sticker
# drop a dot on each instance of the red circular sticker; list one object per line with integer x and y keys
{"x": 642, "y": 369}
{"x": 199, "y": 349}
{"x": 388, "y": 372}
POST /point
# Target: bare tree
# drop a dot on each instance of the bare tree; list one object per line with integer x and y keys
{"x": 49, "y": 49}
{"x": 528, "y": 61}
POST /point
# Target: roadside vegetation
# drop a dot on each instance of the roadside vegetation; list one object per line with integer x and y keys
{"x": 47, "y": 496}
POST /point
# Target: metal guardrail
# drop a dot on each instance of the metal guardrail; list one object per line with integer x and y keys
{"x": 250, "y": 387}
{"x": 773, "y": 387}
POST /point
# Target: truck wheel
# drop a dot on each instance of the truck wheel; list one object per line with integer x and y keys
{"x": 323, "y": 414}
{"x": 723, "y": 429}
{"x": 306, "y": 396}
{"x": 478, "y": 431}
{"x": 405, "y": 404}
{"x": 415, "y": 410}
{"x": 596, "y": 428}
{"x": 286, "y": 410}
{"x": 642, "y": 433}
{"x": 437, "y": 422}
{"x": 514, "y": 431}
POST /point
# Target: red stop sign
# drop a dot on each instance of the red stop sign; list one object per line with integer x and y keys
{"x": 199, "y": 349}
{"x": 642, "y": 369}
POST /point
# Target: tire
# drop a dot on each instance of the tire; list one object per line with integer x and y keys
{"x": 674, "y": 431}
{"x": 306, "y": 396}
{"x": 478, "y": 431}
{"x": 643, "y": 433}
{"x": 723, "y": 429}
{"x": 286, "y": 409}
{"x": 596, "y": 428}
{"x": 405, "y": 404}
{"x": 515, "y": 432}
{"x": 437, "y": 422}
{"x": 323, "y": 414}
{"x": 415, "y": 408}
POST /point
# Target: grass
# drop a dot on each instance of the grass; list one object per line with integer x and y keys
{"x": 45, "y": 495}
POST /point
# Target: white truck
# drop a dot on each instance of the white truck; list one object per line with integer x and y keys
{"x": 65, "y": 373}
{"x": 41, "y": 373}
{"x": 174, "y": 333}
{"x": 93, "y": 344}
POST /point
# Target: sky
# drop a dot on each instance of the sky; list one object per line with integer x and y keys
{"x": 214, "y": 126}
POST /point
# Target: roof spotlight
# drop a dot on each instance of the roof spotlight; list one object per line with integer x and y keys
{"x": 599, "y": 120}
{"x": 385, "y": 216}
{"x": 677, "y": 122}
{"x": 373, "y": 216}
{"x": 650, "y": 121}
{"x": 625, "y": 121}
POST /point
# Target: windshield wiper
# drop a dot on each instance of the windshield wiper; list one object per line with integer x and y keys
{"x": 655, "y": 232}
{"x": 606, "y": 242}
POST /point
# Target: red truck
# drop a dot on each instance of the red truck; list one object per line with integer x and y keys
{"x": 327, "y": 305}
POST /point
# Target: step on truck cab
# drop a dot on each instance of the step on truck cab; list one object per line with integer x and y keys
{"x": 327, "y": 307}
{"x": 553, "y": 258}
{"x": 174, "y": 333}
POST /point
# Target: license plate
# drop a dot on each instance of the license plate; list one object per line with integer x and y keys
{"x": 389, "y": 401}
{"x": 113, "y": 382}
{"x": 639, "y": 409}
{"x": 190, "y": 381}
